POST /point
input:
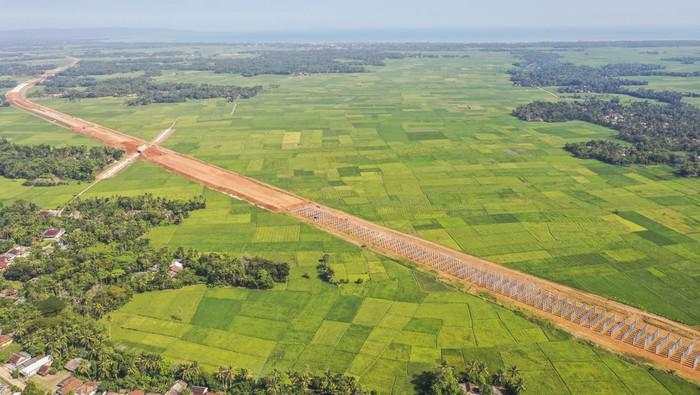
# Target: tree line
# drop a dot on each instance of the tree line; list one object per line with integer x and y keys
{"x": 683, "y": 59}
{"x": 46, "y": 165}
{"x": 539, "y": 69}
{"x": 475, "y": 379}
{"x": 251, "y": 63}
{"x": 652, "y": 133}
{"x": 7, "y": 83}
{"x": 23, "y": 68}
{"x": 145, "y": 90}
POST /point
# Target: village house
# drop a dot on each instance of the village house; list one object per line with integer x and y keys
{"x": 87, "y": 388}
{"x": 5, "y": 341}
{"x": 4, "y": 262}
{"x": 53, "y": 234}
{"x": 44, "y": 370}
{"x": 16, "y": 252}
{"x": 73, "y": 364}
{"x": 30, "y": 367}
{"x": 18, "y": 358}
{"x": 178, "y": 388}
{"x": 175, "y": 267}
{"x": 9, "y": 294}
{"x": 68, "y": 385}
{"x": 49, "y": 213}
{"x": 199, "y": 390}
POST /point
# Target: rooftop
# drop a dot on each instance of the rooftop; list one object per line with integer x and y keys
{"x": 73, "y": 364}
{"x": 68, "y": 385}
{"x": 199, "y": 390}
{"x": 51, "y": 233}
{"x": 5, "y": 340}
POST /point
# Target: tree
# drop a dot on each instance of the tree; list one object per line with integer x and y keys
{"x": 445, "y": 382}
{"x": 441, "y": 381}
{"x": 51, "y": 305}
{"x": 476, "y": 373}
{"x": 263, "y": 279}
{"x": 33, "y": 388}
{"x": 325, "y": 271}
{"x": 225, "y": 376}
{"x": 188, "y": 372}
{"x": 149, "y": 363}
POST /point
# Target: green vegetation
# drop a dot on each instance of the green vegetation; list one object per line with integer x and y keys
{"x": 429, "y": 146}
{"x": 683, "y": 59}
{"x": 44, "y": 165}
{"x": 248, "y": 63}
{"x": 545, "y": 69}
{"x": 426, "y": 145}
{"x": 396, "y": 324}
{"x": 656, "y": 133}
{"x": 7, "y": 83}
{"x": 100, "y": 262}
{"x": 145, "y": 90}
{"x": 23, "y": 68}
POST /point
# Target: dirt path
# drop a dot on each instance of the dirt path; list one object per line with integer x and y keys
{"x": 549, "y": 92}
{"x": 612, "y": 325}
{"x": 235, "y": 104}
{"x": 164, "y": 135}
{"x": 123, "y": 163}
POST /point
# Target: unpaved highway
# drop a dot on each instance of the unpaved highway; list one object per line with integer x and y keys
{"x": 612, "y": 325}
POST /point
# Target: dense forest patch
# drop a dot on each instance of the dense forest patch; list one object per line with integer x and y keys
{"x": 539, "y": 69}
{"x": 252, "y": 62}
{"x": 655, "y": 133}
{"x": 7, "y": 83}
{"x": 145, "y": 90}
{"x": 21, "y": 68}
{"x": 46, "y": 165}
{"x": 683, "y": 59}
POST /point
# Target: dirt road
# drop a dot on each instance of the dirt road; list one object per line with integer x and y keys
{"x": 612, "y": 325}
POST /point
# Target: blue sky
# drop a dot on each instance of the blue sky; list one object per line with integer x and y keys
{"x": 268, "y": 15}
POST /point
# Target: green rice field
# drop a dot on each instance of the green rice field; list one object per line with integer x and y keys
{"x": 398, "y": 322}
{"x": 428, "y": 146}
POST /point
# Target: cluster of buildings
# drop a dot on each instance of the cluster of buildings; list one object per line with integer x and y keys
{"x": 12, "y": 254}
{"x": 28, "y": 366}
{"x": 175, "y": 267}
{"x": 50, "y": 234}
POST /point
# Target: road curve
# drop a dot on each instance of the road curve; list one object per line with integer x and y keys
{"x": 612, "y": 325}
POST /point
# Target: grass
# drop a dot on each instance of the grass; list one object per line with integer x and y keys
{"x": 372, "y": 144}
{"x": 384, "y": 330}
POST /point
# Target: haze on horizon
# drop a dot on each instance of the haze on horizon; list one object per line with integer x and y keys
{"x": 306, "y": 15}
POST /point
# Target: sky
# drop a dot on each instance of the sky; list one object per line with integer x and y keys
{"x": 306, "y": 15}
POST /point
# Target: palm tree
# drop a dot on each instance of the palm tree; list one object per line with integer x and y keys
{"x": 225, "y": 376}
{"x": 302, "y": 380}
{"x": 242, "y": 375}
{"x": 275, "y": 383}
{"x": 83, "y": 369}
{"x": 477, "y": 372}
{"x": 513, "y": 371}
{"x": 189, "y": 372}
